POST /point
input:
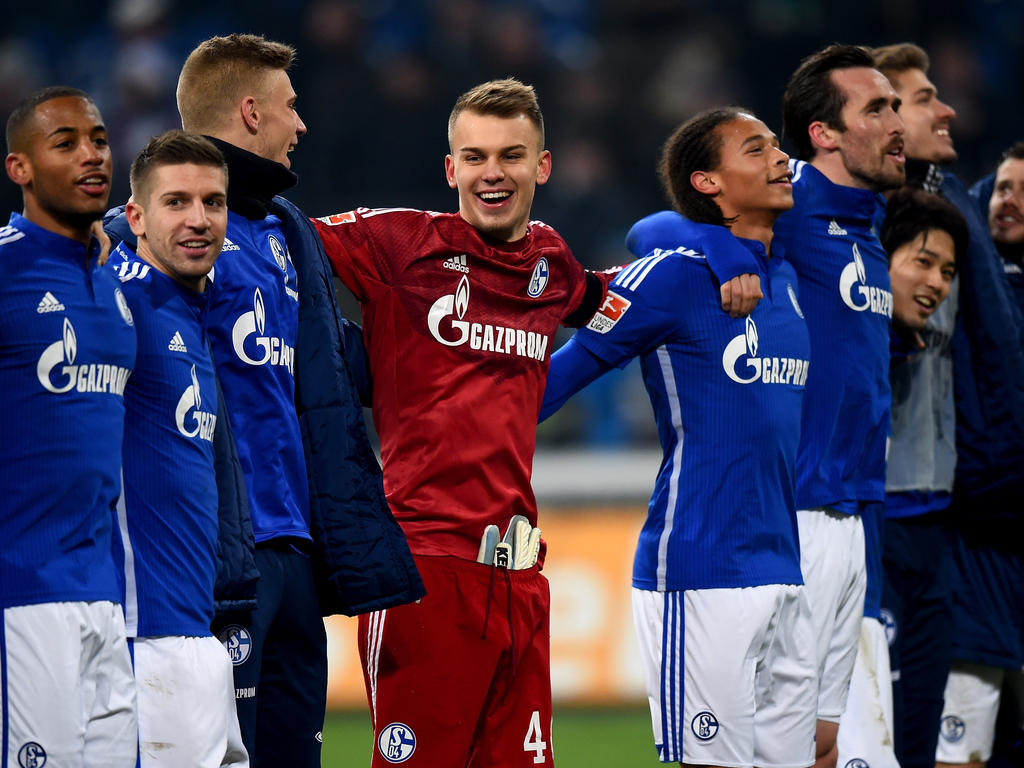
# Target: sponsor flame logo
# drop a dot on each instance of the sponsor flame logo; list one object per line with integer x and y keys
{"x": 751, "y": 335}
{"x": 462, "y": 298}
{"x": 259, "y": 310}
{"x": 70, "y": 341}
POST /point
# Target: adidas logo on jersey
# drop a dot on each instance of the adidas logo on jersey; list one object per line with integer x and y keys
{"x": 458, "y": 263}
{"x": 49, "y": 303}
{"x": 177, "y": 343}
{"x": 229, "y": 246}
{"x": 835, "y": 229}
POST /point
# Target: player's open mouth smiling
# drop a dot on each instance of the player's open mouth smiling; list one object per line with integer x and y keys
{"x": 92, "y": 184}
{"x": 895, "y": 151}
{"x": 195, "y": 247}
{"x": 494, "y": 197}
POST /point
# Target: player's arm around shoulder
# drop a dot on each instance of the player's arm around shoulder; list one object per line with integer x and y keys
{"x": 735, "y": 269}
{"x": 649, "y": 301}
{"x": 350, "y": 240}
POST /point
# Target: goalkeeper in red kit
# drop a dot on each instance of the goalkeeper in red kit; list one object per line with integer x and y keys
{"x": 459, "y": 315}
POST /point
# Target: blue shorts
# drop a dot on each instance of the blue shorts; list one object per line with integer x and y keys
{"x": 279, "y": 658}
{"x": 988, "y": 593}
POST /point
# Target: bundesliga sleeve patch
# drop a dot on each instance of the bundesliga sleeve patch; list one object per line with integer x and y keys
{"x": 339, "y": 218}
{"x": 608, "y": 315}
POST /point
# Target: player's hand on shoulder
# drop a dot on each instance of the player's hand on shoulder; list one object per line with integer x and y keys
{"x": 103, "y": 239}
{"x": 741, "y": 294}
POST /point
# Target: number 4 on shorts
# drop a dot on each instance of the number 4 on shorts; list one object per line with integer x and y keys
{"x": 533, "y": 741}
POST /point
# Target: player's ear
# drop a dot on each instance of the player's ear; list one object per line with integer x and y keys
{"x": 19, "y": 168}
{"x": 544, "y": 167}
{"x": 823, "y": 135}
{"x": 250, "y": 114}
{"x": 136, "y": 217}
{"x": 449, "y": 171}
{"x": 705, "y": 183}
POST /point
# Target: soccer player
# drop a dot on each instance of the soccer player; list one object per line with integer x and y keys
{"x": 1006, "y": 217}
{"x": 989, "y": 568}
{"x": 917, "y": 602}
{"x": 840, "y": 115}
{"x": 923, "y": 235}
{"x": 186, "y": 697}
{"x": 720, "y": 539}
{"x": 67, "y": 347}
{"x": 984, "y": 357}
{"x": 321, "y": 522}
{"x": 459, "y": 313}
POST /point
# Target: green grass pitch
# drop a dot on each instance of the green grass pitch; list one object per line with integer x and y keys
{"x": 584, "y": 738}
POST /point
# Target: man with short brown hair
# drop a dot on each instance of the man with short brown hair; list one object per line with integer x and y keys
{"x": 841, "y": 114}
{"x": 168, "y": 515}
{"x": 325, "y": 539}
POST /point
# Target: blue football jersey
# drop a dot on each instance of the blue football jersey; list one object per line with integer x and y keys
{"x": 831, "y": 237}
{"x": 168, "y": 517}
{"x": 726, "y": 395}
{"x": 67, "y": 348}
{"x": 253, "y": 324}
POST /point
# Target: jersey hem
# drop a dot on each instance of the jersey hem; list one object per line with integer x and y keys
{"x": 16, "y": 601}
{"x": 782, "y": 581}
{"x": 152, "y": 635}
{"x": 262, "y": 538}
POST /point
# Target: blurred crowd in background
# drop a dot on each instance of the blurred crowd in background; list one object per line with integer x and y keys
{"x": 376, "y": 80}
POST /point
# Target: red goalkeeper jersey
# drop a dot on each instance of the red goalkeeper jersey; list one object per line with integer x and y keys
{"x": 459, "y": 331}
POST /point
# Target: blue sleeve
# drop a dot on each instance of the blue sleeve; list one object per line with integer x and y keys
{"x": 573, "y": 367}
{"x": 981, "y": 193}
{"x": 988, "y": 365}
{"x": 115, "y": 224}
{"x": 726, "y": 257}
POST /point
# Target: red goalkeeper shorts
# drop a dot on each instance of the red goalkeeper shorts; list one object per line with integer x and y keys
{"x": 461, "y": 678}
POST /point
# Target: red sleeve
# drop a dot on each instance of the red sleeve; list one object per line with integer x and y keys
{"x": 607, "y": 275}
{"x": 350, "y": 246}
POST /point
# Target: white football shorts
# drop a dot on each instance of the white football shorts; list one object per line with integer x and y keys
{"x": 730, "y": 675}
{"x": 866, "y": 727}
{"x": 186, "y": 697}
{"x": 835, "y": 577}
{"x": 69, "y": 690}
{"x": 967, "y": 731}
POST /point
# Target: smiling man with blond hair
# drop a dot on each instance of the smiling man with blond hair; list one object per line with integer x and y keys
{"x": 292, "y": 370}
